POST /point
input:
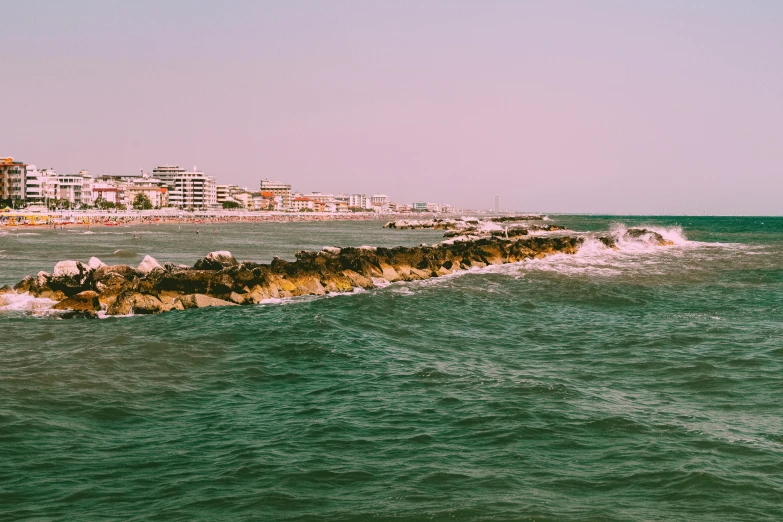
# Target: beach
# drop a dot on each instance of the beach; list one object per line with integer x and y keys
{"x": 14, "y": 218}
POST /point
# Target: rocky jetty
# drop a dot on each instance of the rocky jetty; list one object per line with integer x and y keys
{"x": 472, "y": 228}
{"x": 220, "y": 280}
{"x": 510, "y": 219}
{"x": 433, "y": 224}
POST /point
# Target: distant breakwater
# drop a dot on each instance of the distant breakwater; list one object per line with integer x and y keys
{"x": 94, "y": 288}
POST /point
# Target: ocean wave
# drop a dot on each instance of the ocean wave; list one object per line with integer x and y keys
{"x": 124, "y": 253}
{"x": 25, "y": 303}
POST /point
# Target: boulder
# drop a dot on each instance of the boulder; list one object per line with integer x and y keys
{"x": 72, "y": 269}
{"x": 24, "y": 285}
{"x": 69, "y": 277}
{"x": 237, "y": 298}
{"x": 332, "y": 250}
{"x": 171, "y": 267}
{"x": 149, "y": 264}
{"x": 7, "y": 290}
{"x": 216, "y": 261}
{"x": 86, "y": 301}
{"x": 146, "y": 304}
{"x": 358, "y": 280}
{"x": 54, "y": 295}
{"x": 202, "y": 301}
{"x": 42, "y": 278}
{"x": 95, "y": 263}
{"x": 122, "y": 305}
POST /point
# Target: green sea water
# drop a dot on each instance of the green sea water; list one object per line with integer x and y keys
{"x": 643, "y": 383}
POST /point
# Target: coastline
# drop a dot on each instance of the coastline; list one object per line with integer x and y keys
{"x": 134, "y": 218}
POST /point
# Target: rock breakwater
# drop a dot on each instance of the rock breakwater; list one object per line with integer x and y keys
{"x": 220, "y": 280}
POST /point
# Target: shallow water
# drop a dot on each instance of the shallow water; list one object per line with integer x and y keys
{"x": 637, "y": 384}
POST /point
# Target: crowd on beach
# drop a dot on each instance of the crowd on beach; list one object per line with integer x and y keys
{"x": 58, "y": 220}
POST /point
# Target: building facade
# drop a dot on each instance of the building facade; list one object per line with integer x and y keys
{"x": 278, "y": 188}
{"x": 13, "y": 179}
{"x": 359, "y": 201}
{"x": 193, "y": 190}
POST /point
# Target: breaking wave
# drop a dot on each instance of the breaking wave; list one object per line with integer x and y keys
{"x": 25, "y": 303}
{"x": 124, "y": 253}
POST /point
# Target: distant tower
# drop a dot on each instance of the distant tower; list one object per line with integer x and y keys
{"x": 497, "y": 204}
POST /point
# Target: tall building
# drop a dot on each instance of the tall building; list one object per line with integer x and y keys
{"x": 193, "y": 189}
{"x": 13, "y": 179}
{"x": 167, "y": 173}
{"x": 359, "y": 201}
{"x": 278, "y": 188}
{"x": 497, "y": 204}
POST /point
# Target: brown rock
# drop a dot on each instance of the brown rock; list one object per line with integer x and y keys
{"x": 202, "y": 301}
{"x": 358, "y": 280}
{"x": 86, "y": 301}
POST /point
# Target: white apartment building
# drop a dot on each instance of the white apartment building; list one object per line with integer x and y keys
{"x": 193, "y": 190}
{"x": 379, "y": 200}
{"x": 167, "y": 173}
{"x": 359, "y": 201}
{"x": 35, "y": 184}
{"x": 75, "y": 188}
{"x": 223, "y": 193}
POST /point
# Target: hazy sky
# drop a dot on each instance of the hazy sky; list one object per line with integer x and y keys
{"x": 583, "y": 106}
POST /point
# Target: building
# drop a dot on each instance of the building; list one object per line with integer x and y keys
{"x": 158, "y": 196}
{"x": 278, "y": 188}
{"x": 359, "y": 201}
{"x": 36, "y": 184}
{"x": 194, "y": 190}
{"x": 108, "y": 192}
{"x": 241, "y": 196}
{"x": 73, "y": 189}
{"x": 13, "y": 179}
{"x": 222, "y": 193}
{"x": 379, "y": 200}
{"x": 303, "y": 204}
{"x": 420, "y": 206}
{"x": 319, "y": 196}
{"x": 167, "y": 173}
{"x": 265, "y": 200}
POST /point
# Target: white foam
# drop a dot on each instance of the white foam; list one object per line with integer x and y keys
{"x": 25, "y": 303}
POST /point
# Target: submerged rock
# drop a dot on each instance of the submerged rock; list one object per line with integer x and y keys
{"x": 649, "y": 235}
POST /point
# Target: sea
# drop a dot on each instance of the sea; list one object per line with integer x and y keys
{"x": 643, "y": 383}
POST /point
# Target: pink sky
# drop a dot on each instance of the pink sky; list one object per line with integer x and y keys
{"x": 605, "y": 106}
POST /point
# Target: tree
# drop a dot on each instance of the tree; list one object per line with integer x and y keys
{"x": 142, "y": 202}
{"x": 231, "y": 204}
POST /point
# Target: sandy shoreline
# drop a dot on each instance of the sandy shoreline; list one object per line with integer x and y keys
{"x": 110, "y": 219}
